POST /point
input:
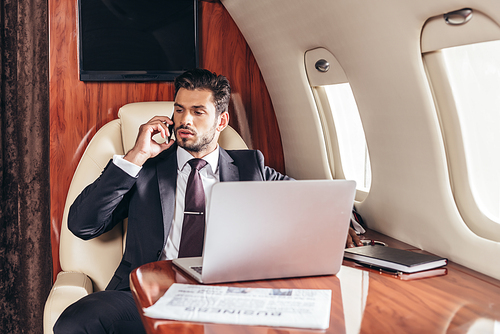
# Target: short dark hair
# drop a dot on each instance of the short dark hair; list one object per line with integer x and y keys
{"x": 203, "y": 79}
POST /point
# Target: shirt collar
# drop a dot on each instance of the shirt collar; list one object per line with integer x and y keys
{"x": 184, "y": 156}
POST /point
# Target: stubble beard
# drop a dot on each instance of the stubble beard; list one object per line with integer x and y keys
{"x": 201, "y": 142}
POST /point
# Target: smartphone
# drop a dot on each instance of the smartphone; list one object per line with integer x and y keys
{"x": 170, "y": 132}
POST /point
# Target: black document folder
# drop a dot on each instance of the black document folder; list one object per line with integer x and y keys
{"x": 394, "y": 259}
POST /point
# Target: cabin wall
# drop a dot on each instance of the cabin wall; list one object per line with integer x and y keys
{"x": 378, "y": 45}
{"x": 78, "y": 109}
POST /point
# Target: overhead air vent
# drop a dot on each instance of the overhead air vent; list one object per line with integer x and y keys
{"x": 458, "y": 28}
{"x": 323, "y": 68}
{"x": 322, "y": 65}
{"x": 458, "y": 17}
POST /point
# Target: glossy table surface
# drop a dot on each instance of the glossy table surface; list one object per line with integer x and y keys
{"x": 364, "y": 300}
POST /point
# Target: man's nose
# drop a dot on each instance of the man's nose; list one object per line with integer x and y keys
{"x": 186, "y": 119}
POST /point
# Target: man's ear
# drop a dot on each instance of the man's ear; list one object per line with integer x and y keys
{"x": 223, "y": 121}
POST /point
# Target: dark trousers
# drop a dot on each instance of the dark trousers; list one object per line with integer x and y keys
{"x": 101, "y": 312}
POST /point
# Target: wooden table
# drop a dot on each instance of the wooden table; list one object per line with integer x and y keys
{"x": 363, "y": 300}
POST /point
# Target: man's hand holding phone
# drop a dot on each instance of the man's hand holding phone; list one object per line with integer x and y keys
{"x": 145, "y": 146}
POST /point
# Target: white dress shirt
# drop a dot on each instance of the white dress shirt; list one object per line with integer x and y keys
{"x": 209, "y": 176}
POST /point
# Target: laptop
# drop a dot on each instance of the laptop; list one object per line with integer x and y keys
{"x": 263, "y": 230}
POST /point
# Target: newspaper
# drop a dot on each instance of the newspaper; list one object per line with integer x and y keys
{"x": 301, "y": 308}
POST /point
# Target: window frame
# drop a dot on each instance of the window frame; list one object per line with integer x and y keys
{"x": 436, "y": 35}
{"x": 331, "y": 138}
{"x": 317, "y": 81}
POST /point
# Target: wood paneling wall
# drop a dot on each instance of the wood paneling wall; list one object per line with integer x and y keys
{"x": 79, "y": 109}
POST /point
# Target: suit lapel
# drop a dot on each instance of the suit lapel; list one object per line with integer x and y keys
{"x": 166, "y": 171}
{"x": 227, "y": 170}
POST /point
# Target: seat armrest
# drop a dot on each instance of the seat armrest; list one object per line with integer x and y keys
{"x": 68, "y": 288}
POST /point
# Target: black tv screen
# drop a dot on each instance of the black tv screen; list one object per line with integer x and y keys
{"x": 137, "y": 40}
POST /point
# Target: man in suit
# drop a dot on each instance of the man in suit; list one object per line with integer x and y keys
{"x": 148, "y": 186}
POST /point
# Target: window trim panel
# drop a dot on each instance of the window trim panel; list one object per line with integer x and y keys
{"x": 317, "y": 81}
{"x": 449, "y": 123}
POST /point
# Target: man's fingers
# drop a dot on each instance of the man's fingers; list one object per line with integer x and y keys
{"x": 353, "y": 239}
{"x": 348, "y": 243}
{"x": 163, "y": 119}
{"x": 156, "y": 125}
{"x": 145, "y": 146}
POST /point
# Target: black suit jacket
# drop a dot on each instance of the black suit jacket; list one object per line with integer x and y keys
{"x": 148, "y": 201}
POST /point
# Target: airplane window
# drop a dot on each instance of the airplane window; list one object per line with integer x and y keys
{"x": 474, "y": 77}
{"x": 350, "y": 135}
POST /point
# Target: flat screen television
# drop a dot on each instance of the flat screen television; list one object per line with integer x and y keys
{"x": 137, "y": 40}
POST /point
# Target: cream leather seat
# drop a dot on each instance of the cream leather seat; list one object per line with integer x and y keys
{"x": 87, "y": 266}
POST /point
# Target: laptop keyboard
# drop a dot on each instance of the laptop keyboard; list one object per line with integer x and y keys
{"x": 197, "y": 269}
